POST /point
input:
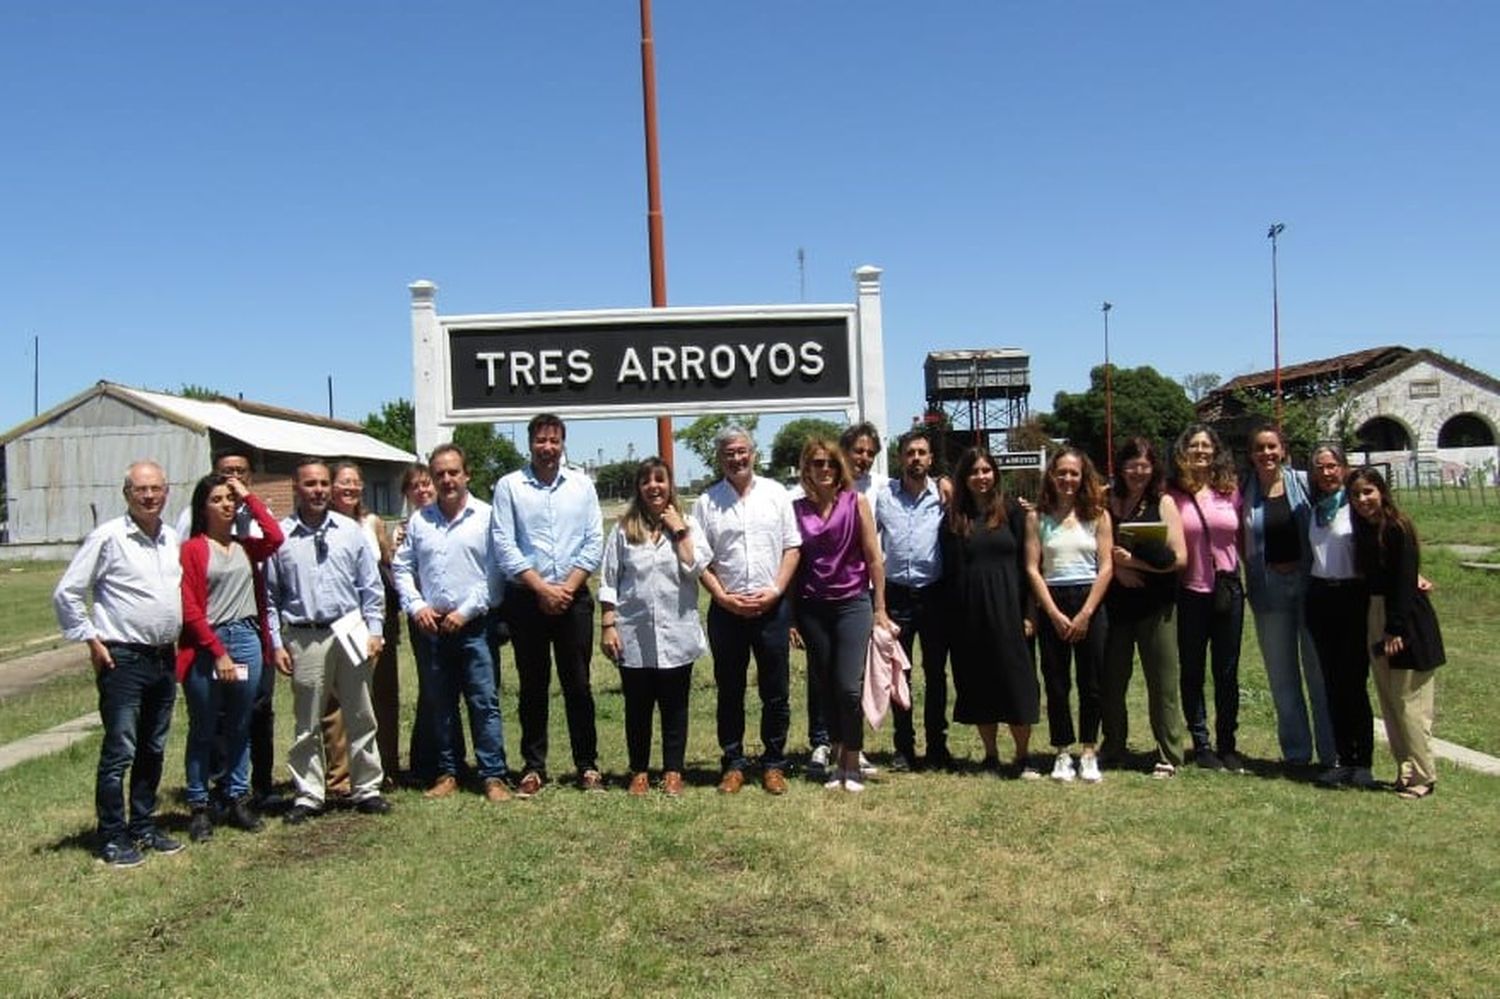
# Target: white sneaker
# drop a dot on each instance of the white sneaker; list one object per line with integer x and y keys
{"x": 819, "y": 760}
{"x": 1062, "y": 768}
{"x": 852, "y": 784}
{"x": 1088, "y": 769}
{"x": 834, "y": 782}
{"x": 866, "y": 768}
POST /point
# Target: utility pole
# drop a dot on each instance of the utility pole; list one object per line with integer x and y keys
{"x": 653, "y": 203}
{"x": 1109, "y": 401}
{"x": 1271, "y": 234}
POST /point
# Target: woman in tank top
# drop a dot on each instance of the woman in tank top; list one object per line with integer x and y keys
{"x": 224, "y": 644}
{"x": 840, "y": 593}
{"x": 1069, "y": 557}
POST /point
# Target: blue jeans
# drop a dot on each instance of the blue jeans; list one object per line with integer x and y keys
{"x": 135, "y": 705}
{"x": 1287, "y": 648}
{"x": 455, "y": 664}
{"x": 208, "y": 698}
{"x": 731, "y": 639}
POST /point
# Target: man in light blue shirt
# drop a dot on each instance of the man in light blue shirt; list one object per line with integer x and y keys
{"x": 909, "y": 514}
{"x": 442, "y": 571}
{"x": 322, "y": 572}
{"x": 548, "y": 538}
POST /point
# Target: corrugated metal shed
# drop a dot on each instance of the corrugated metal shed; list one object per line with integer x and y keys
{"x": 64, "y": 469}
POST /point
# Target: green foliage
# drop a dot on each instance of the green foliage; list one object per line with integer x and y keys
{"x": 786, "y": 446}
{"x": 191, "y": 391}
{"x": 616, "y": 479}
{"x": 490, "y": 456}
{"x": 1145, "y": 402}
{"x": 396, "y": 424}
{"x": 1305, "y": 421}
{"x": 1200, "y": 383}
{"x": 698, "y": 436}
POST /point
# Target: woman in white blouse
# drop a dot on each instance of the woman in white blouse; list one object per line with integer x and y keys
{"x": 649, "y": 626}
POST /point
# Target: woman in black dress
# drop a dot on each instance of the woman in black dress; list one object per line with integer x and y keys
{"x": 983, "y": 542}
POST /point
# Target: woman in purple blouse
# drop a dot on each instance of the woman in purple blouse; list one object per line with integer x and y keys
{"x": 840, "y": 594}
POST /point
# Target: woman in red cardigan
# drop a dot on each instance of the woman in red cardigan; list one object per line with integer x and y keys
{"x": 224, "y": 643}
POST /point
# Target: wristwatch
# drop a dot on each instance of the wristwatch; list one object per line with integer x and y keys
{"x": 677, "y": 535}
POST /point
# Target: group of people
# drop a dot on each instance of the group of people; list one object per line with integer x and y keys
{"x": 851, "y": 568}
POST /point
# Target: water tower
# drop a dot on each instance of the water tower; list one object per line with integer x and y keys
{"x": 981, "y": 395}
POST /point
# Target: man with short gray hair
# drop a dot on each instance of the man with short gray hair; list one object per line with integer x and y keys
{"x": 748, "y": 523}
{"x": 129, "y": 567}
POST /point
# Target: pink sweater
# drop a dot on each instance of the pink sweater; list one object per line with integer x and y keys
{"x": 1221, "y": 550}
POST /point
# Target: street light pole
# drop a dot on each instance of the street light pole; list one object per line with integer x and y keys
{"x": 1109, "y": 401}
{"x": 653, "y": 203}
{"x": 1271, "y": 234}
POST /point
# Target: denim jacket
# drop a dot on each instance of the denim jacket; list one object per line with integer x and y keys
{"x": 1255, "y": 527}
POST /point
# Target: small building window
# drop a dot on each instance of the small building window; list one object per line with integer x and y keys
{"x": 1466, "y": 430}
{"x": 1384, "y": 434}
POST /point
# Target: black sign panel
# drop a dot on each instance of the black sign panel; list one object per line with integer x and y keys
{"x": 1018, "y": 459}
{"x": 652, "y": 365}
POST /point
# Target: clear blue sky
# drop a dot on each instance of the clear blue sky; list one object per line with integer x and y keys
{"x": 239, "y": 199}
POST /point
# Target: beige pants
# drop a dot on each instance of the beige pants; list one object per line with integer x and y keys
{"x": 1406, "y": 706}
{"x": 319, "y": 665}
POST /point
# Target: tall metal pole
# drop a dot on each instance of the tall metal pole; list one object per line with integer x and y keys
{"x": 653, "y": 205}
{"x": 36, "y": 373}
{"x": 1109, "y": 401}
{"x": 330, "y": 397}
{"x": 1271, "y": 234}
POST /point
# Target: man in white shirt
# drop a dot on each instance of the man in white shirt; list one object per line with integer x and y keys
{"x": 748, "y": 523}
{"x": 129, "y": 567}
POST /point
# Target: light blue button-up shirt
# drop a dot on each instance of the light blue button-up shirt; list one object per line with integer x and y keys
{"x": 550, "y": 527}
{"x": 304, "y": 589}
{"x": 445, "y": 564}
{"x": 908, "y": 528}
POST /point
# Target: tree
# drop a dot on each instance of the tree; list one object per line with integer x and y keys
{"x": 396, "y": 424}
{"x": 698, "y": 436}
{"x": 1306, "y": 421}
{"x": 490, "y": 456}
{"x": 1200, "y": 384}
{"x": 191, "y": 391}
{"x": 1146, "y": 403}
{"x": 616, "y": 479}
{"x": 786, "y": 446}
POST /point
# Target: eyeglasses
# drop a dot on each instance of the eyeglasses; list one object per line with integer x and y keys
{"x": 820, "y": 462}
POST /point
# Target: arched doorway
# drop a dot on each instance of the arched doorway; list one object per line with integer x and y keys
{"x": 1383, "y": 434}
{"x": 1466, "y": 430}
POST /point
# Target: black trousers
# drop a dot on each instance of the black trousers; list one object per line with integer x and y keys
{"x": 645, "y": 691}
{"x": 539, "y": 640}
{"x": 1200, "y": 629}
{"x": 1336, "y": 617}
{"x": 1086, "y": 657}
{"x": 919, "y": 613}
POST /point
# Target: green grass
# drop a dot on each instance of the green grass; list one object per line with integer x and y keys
{"x": 931, "y": 884}
{"x": 1454, "y": 516}
{"x": 27, "y": 623}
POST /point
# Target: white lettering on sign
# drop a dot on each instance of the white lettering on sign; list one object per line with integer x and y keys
{"x": 664, "y": 364}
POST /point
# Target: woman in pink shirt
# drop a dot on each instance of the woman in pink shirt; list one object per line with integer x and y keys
{"x": 1210, "y": 597}
{"x": 840, "y": 592}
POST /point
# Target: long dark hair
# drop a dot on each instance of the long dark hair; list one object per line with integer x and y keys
{"x": 1369, "y": 539}
{"x": 1139, "y": 447}
{"x": 637, "y": 522}
{"x": 205, "y": 485}
{"x": 965, "y": 508}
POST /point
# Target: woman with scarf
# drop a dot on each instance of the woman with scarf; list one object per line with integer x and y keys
{"x": 1337, "y": 606}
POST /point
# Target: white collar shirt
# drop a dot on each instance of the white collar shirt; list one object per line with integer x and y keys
{"x": 656, "y": 598}
{"x": 445, "y": 564}
{"x": 308, "y": 586}
{"x": 747, "y": 534}
{"x": 134, "y": 580}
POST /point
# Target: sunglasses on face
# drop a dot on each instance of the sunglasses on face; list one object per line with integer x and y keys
{"x": 820, "y": 462}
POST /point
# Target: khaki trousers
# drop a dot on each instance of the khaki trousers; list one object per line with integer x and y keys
{"x": 318, "y": 666}
{"x": 1406, "y": 707}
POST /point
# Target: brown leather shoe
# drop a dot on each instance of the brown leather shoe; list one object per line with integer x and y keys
{"x": 671, "y": 783}
{"x": 495, "y": 790}
{"x": 640, "y": 784}
{"x": 774, "y": 781}
{"x": 732, "y": 782}
{"x": 591, "y": 780}
{"x": 442, "y": 787}
{"x": 531, "y": 785}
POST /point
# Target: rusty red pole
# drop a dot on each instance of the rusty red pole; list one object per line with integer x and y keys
{"x": 1275, "y": 231}
{"x": 653, "y": 205}
{"x": 1109, "y": 402}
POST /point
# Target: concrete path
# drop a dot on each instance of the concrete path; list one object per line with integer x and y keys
{"x": 22, "y": 673}
{"x": 54, "y": 740}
